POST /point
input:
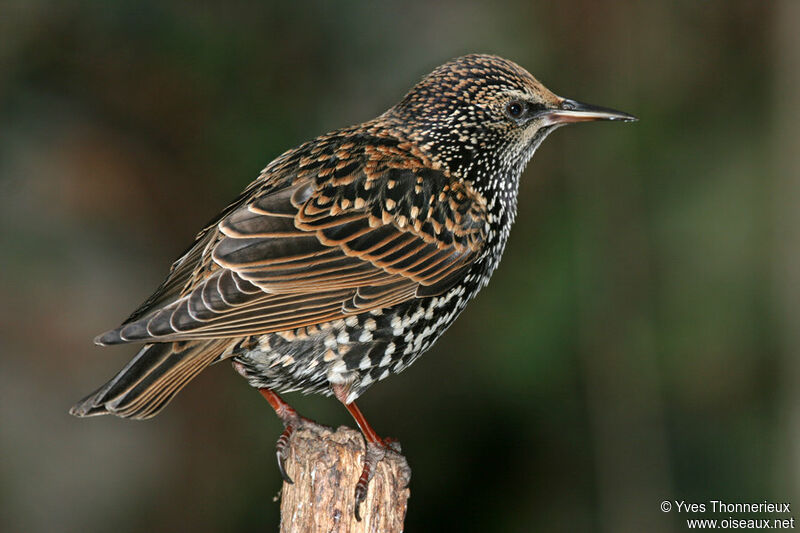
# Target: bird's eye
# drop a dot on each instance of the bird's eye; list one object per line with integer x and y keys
{"x": 515, "y": 109}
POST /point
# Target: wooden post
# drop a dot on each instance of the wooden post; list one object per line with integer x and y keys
{"x": 325, "y": 466}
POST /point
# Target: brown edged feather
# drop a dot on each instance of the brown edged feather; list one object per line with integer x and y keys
{"x": 335, "y": 232}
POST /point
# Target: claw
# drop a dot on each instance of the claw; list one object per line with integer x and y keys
{"x": 281, "y": 452}
{"x": 374, "y": 454}
{"x": 375, "y": 451}
{"x": 291, "y": 421}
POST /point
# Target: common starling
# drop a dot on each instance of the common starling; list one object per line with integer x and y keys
{"x": 349, "y": 255}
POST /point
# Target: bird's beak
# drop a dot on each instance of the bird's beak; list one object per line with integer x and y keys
{"x": 573, "y": 111}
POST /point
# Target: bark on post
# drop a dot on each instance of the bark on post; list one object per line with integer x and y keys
{"x": 325, "y": 466}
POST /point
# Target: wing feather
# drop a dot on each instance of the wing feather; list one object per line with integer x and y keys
{"x": 318, "y": 246}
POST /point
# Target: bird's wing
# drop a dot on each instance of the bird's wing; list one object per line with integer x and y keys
{"x": 345, "y": 235}
{"x": 194, "y": 260}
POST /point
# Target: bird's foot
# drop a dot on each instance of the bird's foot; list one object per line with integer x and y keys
{"x": 374, "y": 454}
{"x": 376, "y": 448}
{"x": 291, "y": 422}
{"x": 282, "y": 446}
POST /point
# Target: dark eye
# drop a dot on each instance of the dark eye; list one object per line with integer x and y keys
{"x": 515, "y": 109}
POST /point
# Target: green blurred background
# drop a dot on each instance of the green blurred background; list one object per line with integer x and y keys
{"x": 640, "y": 341}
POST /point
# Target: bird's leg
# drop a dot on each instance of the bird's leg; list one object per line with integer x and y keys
{"x": 291, "y": 421}
{"x": 376, "y": 447}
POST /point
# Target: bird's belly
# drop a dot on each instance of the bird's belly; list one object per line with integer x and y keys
{"x": 356, "y": 351}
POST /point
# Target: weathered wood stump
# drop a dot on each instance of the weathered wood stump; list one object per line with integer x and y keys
{"x": 325, "y": 466}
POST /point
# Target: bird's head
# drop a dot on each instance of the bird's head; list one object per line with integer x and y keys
{"x": 482, "y": 116}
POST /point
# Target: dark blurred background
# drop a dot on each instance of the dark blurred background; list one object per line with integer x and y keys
{"x": 640, "y": 341}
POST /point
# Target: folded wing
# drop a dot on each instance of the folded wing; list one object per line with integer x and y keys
{"x": 344, "y": 236}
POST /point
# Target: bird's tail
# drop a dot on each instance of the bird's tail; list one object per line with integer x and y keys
{"x": 151, "y": 379}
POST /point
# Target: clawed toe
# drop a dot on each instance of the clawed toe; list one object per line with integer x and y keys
{"x": 375, "y": 453}
{"x": 281, "y": 451}
{"x": 291, "y": 422}
{"x": 376, "y": 447}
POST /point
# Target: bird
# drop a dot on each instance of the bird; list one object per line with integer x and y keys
{"x": 349, "y": 255}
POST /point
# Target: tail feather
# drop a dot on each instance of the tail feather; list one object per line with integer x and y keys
{"x": 151, "y": 379}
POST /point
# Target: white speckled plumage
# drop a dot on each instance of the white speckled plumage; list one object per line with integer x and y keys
{"x": 350, "y": 255}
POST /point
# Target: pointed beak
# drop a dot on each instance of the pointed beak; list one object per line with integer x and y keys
{"x": 572, "y": 111}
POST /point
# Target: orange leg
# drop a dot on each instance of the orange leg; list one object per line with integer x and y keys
{"x": 375, "y": 450}
{"x": 291, "y": 421}
{"x": 363, "y": 425}
{"x": 376, "y": 447}
{"x": 282, "y": 409}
